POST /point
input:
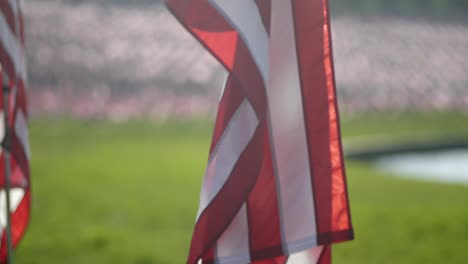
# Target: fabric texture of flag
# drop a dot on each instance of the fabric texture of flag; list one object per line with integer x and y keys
{"x": 13, "y": 76}
{"x": 274, "y": 189}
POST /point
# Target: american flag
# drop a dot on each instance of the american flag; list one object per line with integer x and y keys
{"x": 13, "y": 76}
{"x": 275, "y": 189}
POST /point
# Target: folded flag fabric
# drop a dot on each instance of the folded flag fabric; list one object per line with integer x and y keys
{"x": 274, "y": 189}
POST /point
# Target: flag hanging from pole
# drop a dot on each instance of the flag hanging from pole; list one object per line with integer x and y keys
{"x": 14, "y": 132}
{"x": 274, "y": 189}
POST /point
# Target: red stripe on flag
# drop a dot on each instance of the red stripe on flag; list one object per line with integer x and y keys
{"x": 325, "y": 256}
{"x": 19, "y": 156}
{"x": 209, "y": 256}
{"x": 264, "y": 7}
{"x": 263, "y": 212}
{"x": 230, "y": 101}
{"x": 315, "y": 98}
{"x": 321, "y": 121}
{"x": 205, "y": 24}
{"x": 341, "y": 216}
{"x": 19, "y": 172}
{"x": 8, "y": 14}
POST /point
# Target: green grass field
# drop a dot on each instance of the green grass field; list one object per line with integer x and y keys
{"x": 128, "y": 193}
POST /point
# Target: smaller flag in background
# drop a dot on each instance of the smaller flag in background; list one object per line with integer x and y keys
{"x": 274, "y": 189}
{"x": 13, "y": 71}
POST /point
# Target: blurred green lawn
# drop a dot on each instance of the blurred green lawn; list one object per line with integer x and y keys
{"x": 128, "y": 193}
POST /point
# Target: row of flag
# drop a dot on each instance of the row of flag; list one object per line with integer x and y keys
{"x": 274, "y": 190}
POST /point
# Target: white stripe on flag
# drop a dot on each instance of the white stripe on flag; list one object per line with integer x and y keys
{"x": 226, "y": 78}
{"x": 233, "y": 246}
{"x": 234, "y": 140}
{"x": 289, "y": 141}
{"x": 12, "y": 47}
{"x": 307, "y": 256}
{"x": 16, "y": 195}
{"x": 14, "y": 6}
{"x": 22, "y": 132}
{"x": 245, "y": 18}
